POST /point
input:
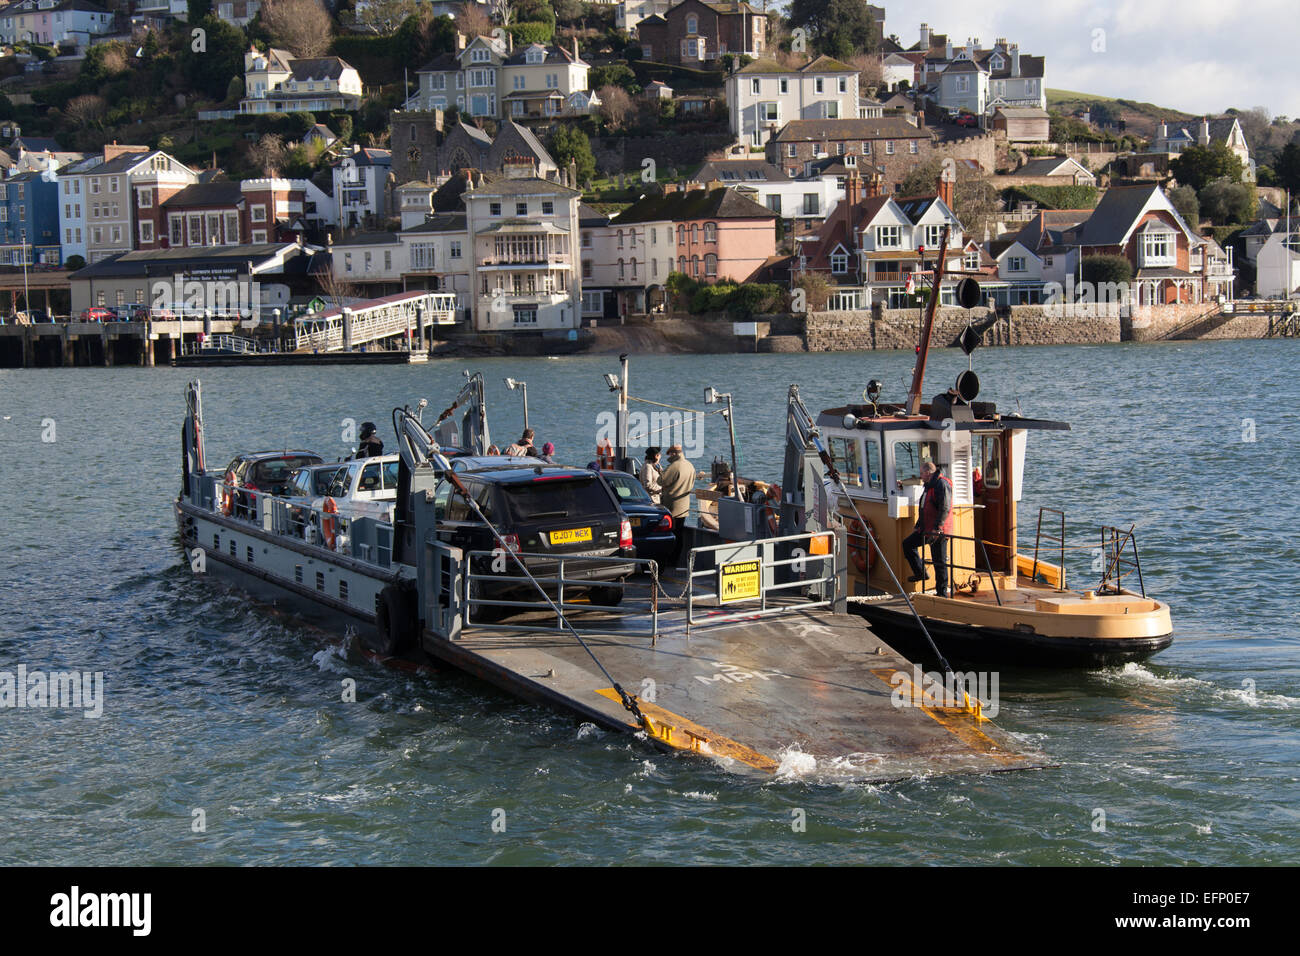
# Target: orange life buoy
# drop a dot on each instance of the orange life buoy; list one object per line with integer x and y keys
{"x": 861, "y": 551}
{"x": 228, "y": 496}
{"x": 605, "y": 454}
{"x": 772, "y": 508}
{"x": 327, "y": 522}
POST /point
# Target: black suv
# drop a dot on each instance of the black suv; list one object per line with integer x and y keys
{"x": 539, "y": 510}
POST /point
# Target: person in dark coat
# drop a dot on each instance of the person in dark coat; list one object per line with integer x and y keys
{"x": 371, "y": 445}
{"x": 933, "y": 528}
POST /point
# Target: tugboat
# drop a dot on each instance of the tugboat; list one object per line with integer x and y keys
{"x": 1006, "y": 607}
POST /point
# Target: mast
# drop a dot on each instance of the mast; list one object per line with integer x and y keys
{"x": 927, "y": 326}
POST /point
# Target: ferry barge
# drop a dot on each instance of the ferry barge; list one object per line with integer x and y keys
{"x": 755, "y": 666}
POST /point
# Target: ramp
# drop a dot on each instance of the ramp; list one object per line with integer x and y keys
{"x": 783, "y": 686}
{"x": 392, "y": 316}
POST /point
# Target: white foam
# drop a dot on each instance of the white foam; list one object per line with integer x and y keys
{"x": 328, "y": 660}
{"x": 795, "y": 763}
{"x": 585, "y": 730}
{"x": 696, "y": 795}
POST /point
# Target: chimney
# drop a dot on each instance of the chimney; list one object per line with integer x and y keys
{"x": 1204, "y": 136}
{"x": 925, "y": 37}
{"x": 945, "y": 184}
{"x": 670, "y": 188}
{"x": 852, "y": 192}
{"x": 1164, "y": 130}
{"x": 460, "y": 41}
{"x": 874, "y": 186}
{"x": 575, "y": 49}
{"x": 1015, "y": 59}
{"x": 919, "y": 113}
{"x": 519, "y": 167}
{"x": 947, "y": 49}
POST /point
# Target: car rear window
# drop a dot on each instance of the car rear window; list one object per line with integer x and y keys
{"x": 565, "y": 498}
{"x": 628, "y": 489}
{"x": 278, "y": 469}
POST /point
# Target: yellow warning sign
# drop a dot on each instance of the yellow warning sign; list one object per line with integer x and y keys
{"x": 738, "y": 582}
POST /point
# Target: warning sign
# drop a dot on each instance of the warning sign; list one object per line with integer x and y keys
{"x": 738, "y": 582}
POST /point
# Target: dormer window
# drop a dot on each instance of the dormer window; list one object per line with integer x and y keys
{"x": 535, "y": 55}
{"x": 479, "y": 55}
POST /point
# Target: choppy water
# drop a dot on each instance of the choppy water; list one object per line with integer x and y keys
{"x": 217, "y": 706}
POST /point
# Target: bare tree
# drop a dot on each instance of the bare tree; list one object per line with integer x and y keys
{"x": 871, "y": 72}
{"x": 337, "y": 290}
{"x": 303, "y": 27}
{"x": 268, "y": 154}
{"x": 473, "y": 21}
{"x": 504, "y": 10}
{"x": 85, "y": 110}
{"x": 615, "y": 105}
{"x": 385, "y": 16}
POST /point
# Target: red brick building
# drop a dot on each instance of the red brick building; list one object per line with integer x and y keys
{"x": 697, "y": 32}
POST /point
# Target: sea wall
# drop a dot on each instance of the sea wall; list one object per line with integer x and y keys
{"x": 849, "y": 331}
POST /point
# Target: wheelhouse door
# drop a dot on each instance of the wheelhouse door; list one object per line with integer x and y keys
{"x": 992, "y": 486}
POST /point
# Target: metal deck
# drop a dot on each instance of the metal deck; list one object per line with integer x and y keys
{"x": 765, "y": 696}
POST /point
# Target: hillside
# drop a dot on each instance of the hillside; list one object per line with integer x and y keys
{"x": 1141, "y": 118}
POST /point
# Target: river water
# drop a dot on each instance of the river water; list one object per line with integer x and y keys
{"x": 224, "y": 738}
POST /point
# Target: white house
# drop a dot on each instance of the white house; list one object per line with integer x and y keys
{"x": 763, "y": 96}
{"x": 361, "y": 185}
{"x": 979, "y": 80}
{"x": 54, "y": 21}
{"x": 1277, "y": 266}
{"x": 278, "y": 82}
{"x": 72, "y": 206}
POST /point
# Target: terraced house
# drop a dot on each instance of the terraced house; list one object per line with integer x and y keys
{"x": 29, "y": 220}
{"x": 764, "y": 96}
{"x": 890, "y": 145}
{"x": 278, "y": 82}
{"x": 58, "y": 22}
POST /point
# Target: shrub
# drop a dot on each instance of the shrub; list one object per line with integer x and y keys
{"x": 1099, "y": 269}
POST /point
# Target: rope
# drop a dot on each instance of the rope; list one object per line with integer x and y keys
{"x": 629, "y": 701}
{"x": 670, "y": 425}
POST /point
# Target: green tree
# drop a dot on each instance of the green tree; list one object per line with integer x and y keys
{"x": 1188, "y": 206}
{"x": 615, "y": 74}
{"x": 198, "y": 10}
{"x": 839, "y": 28}
{"x": 1199, "y": 165}
{"x": 1099, "y": 269}
{"x": 568, "y": 143}
{"x": 1286, "y": 169}
{"x": 209, "y": 70}
{"x": 532, "y": 31}
{"x": 1226, "y": 202}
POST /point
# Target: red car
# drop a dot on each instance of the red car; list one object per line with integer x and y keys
{"x": 967, "y": 119}
{"x": 98, "y": 313}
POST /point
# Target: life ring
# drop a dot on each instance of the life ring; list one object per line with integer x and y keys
{"x": 605, "y": 454}
{"x": 861, "y": 551}
{"x": 327, "y": 522}
{"x": 227, "y": 495}
{"x": 772, "y": 509}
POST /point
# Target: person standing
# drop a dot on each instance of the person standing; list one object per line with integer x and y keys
{"x": 649, "y": 475}
{"x": 676, "y": 484}
{"x": 370, "y": 444}
{"x": 933, "y": 527}
{"x": 521, "y": 447}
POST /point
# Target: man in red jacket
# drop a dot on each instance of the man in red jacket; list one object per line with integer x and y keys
{"x": 933, "y": 527}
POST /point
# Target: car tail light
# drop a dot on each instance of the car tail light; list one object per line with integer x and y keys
{"x": 625, "y": 534}
{"x": 511, "y": 542}
{"x": 666, "y": 523}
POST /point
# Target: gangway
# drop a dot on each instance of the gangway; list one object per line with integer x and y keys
{"x": 341, "y": 329}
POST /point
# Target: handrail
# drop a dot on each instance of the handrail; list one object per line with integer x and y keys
{"x": 1114, "y": 543}
{"x": 988, "y": 568}
{"x": 559, "y": 580}
{"x": 1060, "y": 540}
{"x": 766, "y": 548}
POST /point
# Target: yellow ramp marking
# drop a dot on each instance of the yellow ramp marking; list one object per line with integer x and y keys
{"x": 676, "y": 731}
{"x": 962, "y": 725}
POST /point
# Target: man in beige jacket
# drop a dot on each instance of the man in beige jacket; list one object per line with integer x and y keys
{"x": 676, "y": 483}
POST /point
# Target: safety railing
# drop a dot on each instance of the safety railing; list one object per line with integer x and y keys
{"x": 552, "y": 572}
{"x": 1052, "y": 537}
{"x": 972, "y": 583}
{"x": 362, "y": 537}
{"x": 746, "y": 573}
{"x": 1116, "y": 548}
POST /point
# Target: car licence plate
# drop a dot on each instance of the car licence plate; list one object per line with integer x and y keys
{"x": 570, "y": 536}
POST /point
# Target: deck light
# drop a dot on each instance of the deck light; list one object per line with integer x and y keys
{"x": 515, "y": 384}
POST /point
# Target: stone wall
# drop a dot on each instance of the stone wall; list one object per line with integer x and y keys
{"x": 900, "y": 328}
{"x": 1151, "y": 323}
{"x": 668, "y": 151}
{"x": 981, "y": 147}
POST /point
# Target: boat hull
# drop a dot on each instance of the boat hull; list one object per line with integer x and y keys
{"x": 270, "y": 581}
{"x": 990, "y": 647}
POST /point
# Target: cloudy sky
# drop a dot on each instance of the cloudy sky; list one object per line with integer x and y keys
{"x": 1193, "y": 55}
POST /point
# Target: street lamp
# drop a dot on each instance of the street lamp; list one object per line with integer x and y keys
{"x": 619, "y": 383}
{"x": 712, "y": 397}
{"x": 513, "y": 384}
